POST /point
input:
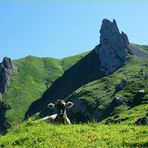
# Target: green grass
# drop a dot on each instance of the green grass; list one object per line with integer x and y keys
{"x": 128, "y": 116}
{"x": 41, "y": 134}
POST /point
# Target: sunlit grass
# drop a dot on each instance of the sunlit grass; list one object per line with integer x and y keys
{"x": 41, "y": 134}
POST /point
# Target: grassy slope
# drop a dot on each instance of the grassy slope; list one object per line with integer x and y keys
{"x": 34, "y": 76}
{"x": 99, "y": 94}
{"x": 29, "y": 83}
{"x": 41, "y": 134}
{"x": 143, "y": 47}
{"x": 81, "y": 81}
{"x": 81, "y": 73}
{"x": 129, "y": 116}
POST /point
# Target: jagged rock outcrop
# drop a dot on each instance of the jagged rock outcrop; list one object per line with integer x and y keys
{"x": 138, "y": 98}
{"x": 111, "y": 51}
{"x": 122, "y": 84}
{"x": 142, "y": 121}
{"x": 0, "y": 96}
{"x": 112, "y": 54}
{"x": 81, "y": 112}
{"x": 7, "y": 70}
{"x": 118, "y": 100}
{"x": 4, "y": 125}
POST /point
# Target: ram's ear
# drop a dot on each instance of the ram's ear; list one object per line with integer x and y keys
{"x": 69, "y": 104}
{"x": 51, "y": 105}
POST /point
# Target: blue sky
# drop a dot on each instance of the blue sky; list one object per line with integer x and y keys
{"x": 60, "y": 29}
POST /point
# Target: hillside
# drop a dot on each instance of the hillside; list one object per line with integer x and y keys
{"x": 81, "y": 73}
{"x": 100, "y": 95}
{"x": 34, "y": 76}
{"x": 97, "y": 95}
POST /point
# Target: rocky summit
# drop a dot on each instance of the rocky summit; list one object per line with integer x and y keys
{"x": 7, "y": 70}
{"x": 112, "y": 50}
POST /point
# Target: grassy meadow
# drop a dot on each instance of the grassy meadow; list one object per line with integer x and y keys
{"x": 41, "y": 135}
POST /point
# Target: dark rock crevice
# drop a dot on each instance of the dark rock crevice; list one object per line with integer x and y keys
{"x": 4, "y": 125}
{"x": 7, "y": 70}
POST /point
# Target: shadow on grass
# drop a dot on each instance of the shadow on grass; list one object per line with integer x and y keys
{"x": 4, "y": 125}
{"x": 83, "y": 72}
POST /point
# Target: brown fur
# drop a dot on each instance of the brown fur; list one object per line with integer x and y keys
{"x": 60, "y": 108}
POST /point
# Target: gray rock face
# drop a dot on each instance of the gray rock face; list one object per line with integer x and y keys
{"x": 112, "y": 48}
{"x": 4, "y": 125}
{"x": 80, "y": 109}
{"x": 138, "y": 98}
{"x": 118, "y": 100}
{"x": 122, "y": 84}
{"x": 0, "y": 96}
{"x": 142, "y": 72}
{"x": 82, "y": 112}
{"x": 7, "y": 70}
{"x": 142, "y": 121}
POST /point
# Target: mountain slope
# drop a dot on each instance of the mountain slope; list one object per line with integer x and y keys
{"x": 94, "y": 99}
{"x": 83, "y": 72}
{"x": 99, "y": 98}
{"x": 34, "y": 76}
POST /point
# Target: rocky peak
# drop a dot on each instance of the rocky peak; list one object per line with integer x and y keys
{"x": 7, "y": 63}
{"x": 7, "y": 70}
{"x": 112, "y": 48}
{"x": 108, "y": 30}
